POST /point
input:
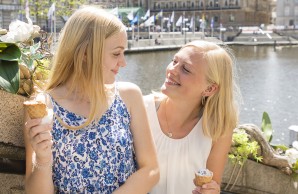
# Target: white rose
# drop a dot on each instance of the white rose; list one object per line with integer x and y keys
{"x": 18, "y": 32}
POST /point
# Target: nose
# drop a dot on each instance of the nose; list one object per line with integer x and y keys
{"x": 122, "y": 61}
{"x": 173, "y": 69}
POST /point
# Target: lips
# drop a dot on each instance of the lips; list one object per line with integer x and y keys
{"x": 171, "y": 82}
{"x": 114, "y": 71}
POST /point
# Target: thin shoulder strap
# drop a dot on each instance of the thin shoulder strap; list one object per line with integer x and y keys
{"x": 157, "y": 103}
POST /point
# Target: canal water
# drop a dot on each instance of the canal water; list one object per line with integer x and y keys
{"x": 268, "y": 79}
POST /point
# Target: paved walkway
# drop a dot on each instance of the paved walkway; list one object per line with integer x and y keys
{"x": 172, "y": 43}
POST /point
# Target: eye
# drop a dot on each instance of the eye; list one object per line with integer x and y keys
{"x": 174, "y": 61}
{"x": 116, "y": 54}
{"x": 185, "y": 69}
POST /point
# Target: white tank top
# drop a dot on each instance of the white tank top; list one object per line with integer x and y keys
{"x": 178, "y": 159}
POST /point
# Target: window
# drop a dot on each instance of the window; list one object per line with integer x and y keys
{"x": 188, "y": 4}
{"x": 1, "y": 18}
{"x": 215, "y": 18}
{"x": 231, "y": 18}
{"x": 287, "y": 11}
{"x": 216, "y": 4}
{"x": 179, "y": 4}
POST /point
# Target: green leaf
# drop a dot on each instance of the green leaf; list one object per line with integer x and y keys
{"x": 280, "y": 146}
{"x": 26, "y": 59}
{"x": 9, "y": 51}
{"x": 34, "y": 48}
{"x": 9, "y": 76}
{"x": 266, "y": 127}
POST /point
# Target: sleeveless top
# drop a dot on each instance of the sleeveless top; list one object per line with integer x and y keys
{"x": 178, "y": 159}
{"x": 96, "y": 159}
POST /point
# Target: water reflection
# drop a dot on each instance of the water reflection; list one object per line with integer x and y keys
{"x": 267, "y": 78}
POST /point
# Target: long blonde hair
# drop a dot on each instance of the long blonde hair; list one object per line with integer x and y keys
{"x": 220, "y": 109}
{"x": 79, "y": 56}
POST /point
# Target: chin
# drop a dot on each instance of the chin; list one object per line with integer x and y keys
{"x": 163, "y": 90}
{"x": 109, "y": 81}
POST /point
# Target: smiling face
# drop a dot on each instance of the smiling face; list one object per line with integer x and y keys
{"x": 186, "y": 75}
{"x": 113, "y": 56}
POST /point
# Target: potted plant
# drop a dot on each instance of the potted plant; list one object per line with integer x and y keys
{"x": 24, "y": 58}
{"x": 24, "y": 66}
{"x": 260, "y": 164}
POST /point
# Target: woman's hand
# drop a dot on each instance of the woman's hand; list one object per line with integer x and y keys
{"x": 40, "y": 138}
{"x": 208, "y": 188}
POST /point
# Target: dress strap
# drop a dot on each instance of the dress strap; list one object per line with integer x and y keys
{"x": 112, "y": 89}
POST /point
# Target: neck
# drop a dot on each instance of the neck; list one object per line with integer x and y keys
{"x": 179, "y": 120}
{"x": 182, "y": 112}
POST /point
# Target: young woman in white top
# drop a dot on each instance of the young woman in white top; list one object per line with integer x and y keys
{"x": 193, "y": 117}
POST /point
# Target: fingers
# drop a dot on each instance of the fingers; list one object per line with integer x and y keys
{"x": 42, "y": 139}
{"x": 31, "y": 123}
{"x": 208, "y": 188}
{"x": 39, "y": 135}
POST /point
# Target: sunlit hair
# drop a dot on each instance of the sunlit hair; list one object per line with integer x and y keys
{"x": 79, "y": 56}
{"x": 220, "y": 109}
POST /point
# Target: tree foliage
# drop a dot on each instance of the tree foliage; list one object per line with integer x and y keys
{"x": 40, "y": 8}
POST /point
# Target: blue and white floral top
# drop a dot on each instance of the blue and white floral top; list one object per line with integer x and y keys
{"x": 96, "y": 159}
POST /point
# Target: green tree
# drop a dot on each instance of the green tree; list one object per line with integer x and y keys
{"x": 40, "y": 8}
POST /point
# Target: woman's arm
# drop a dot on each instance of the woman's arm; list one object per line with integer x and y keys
{"x": 216, "y": 163}
{"x": 218, "y": 156}
{"x": 147, "y": 174}
{"x": 38, "y": 142}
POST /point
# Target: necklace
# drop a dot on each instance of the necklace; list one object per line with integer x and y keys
{"x": 168, "y": 133}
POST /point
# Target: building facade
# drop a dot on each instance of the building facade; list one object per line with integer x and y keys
{"x": 226, "y": 13}
{"x": 218, "y": 12}
{"x": 9, "y": 10}
{"x": 287, "y": 13}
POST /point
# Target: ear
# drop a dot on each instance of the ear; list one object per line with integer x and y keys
{"x": 211, "y": 89}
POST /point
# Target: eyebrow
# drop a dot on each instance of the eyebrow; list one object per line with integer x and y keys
{"x": 121, "y": 47}
{"x": 187, "y": 62}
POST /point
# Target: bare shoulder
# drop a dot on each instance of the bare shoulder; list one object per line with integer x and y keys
{"x": 128, "y": 89}
{"x": 130, "y": 93}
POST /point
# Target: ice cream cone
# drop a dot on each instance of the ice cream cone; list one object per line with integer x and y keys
{"x": 203, "y": 176}
{"x": 35, "y": 109}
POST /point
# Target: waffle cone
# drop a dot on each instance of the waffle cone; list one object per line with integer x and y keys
{"x": 200, "y": 180}
{"x": 35, "y": 109}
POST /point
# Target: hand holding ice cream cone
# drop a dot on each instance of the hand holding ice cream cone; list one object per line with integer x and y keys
{"x": 203, "y": 176}
{"x": 35, "y": 109}
{"x": 38, "y": 109}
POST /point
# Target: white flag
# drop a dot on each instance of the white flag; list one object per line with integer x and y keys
{"x": 130, "y": 15}
{"x": 147, "y": 15}
{"x": 51, "y": 11}
{"x": 172, "y": 17}
{"x": 115, "y": 11}
{"x": 179, "y": 21}
{"x": 150, "y": 21}
{"x": 191, "y": 22}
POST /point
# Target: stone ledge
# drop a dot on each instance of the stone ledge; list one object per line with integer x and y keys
{"x": 257, "y": 178}
{"x": 11, "y": 183}
{"x": 11, "y": 119}
{"x": 12, "y": 152}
